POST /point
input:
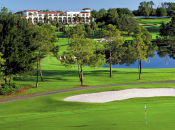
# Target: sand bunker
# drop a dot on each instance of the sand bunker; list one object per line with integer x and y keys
{"x": 109, "y": 96}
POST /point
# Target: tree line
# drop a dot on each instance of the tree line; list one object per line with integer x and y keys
{"x": 23, "y": 45}
{"x": 147, "y": 9}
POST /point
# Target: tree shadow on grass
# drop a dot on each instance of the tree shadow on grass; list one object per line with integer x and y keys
{"x": 70, "y": 75}
{"x": 78, "y": 126}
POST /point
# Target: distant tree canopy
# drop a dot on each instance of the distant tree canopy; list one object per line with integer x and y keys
{"x": 166, "y": 42}
{"x": 124, "y": 11}
{"x": 146, "y": 9}
{"x": 161, "y": 12}
{"x": 121, "y": 17}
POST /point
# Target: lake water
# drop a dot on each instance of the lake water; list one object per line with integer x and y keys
{"x": 155, "y": 62}
{"x": 152, "y": 17}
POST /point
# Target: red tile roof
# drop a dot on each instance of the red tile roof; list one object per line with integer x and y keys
{"x": 51, "y": 12}
{"x": 30, "y": 10}
{"x": 84, "y": 12}
{"x": 86, "y": 9}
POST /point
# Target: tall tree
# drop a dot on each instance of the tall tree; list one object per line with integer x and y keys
{"x": 2, "y": 61}
{"x": 59, "y": 25}
{"x": 17, "y": 44}
{"x": 54, "y": 22}
{"x": 46, "y": 17}
{"x": 4, "y": 10}
{"x": 68, "y": 33}
{"x": 88, "y": 29}
{"x": 94, "y": 27}
{"x": 45, "y": 36}
{"x": 102, "y": 12}
{"x": 141, "y": 42}
{"x": 113, "y": 46}
{"x": 40, "y": 23}
{"x": 94, "y": 14}
{"x": 161, "y": 12}
{"x": 166, "y": 42}
{"x": 80, "y": 52}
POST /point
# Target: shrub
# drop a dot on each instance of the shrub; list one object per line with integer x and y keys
{"x": 9, "y": 88}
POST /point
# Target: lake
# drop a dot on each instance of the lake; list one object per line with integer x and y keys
{"x": 154, "y": 63}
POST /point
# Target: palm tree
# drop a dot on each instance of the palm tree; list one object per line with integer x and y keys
{"x": 91, "y": 18}
{"x": 68, "y": 33}
{"x": 76, "y": 19}
{"x": 63, "y": 28}
{"x": 46, "y": 16}
{"x": 59, "y": 25}
{"x": 30, "y": 20}
{"x": 65, "y": 20}
{"x": 4, "y": 10}
{"x": 35, "y": 21}
{"x": 50, "y": 20}
{"x": 61, "y": 14}
{"x": 80, "y": 19}
{"x": 93, "y": 26}
{"x": 88, "y": 30}
{"x": 59, "y": 19}
{"x": 40, "y": 23}
{"x": 53, "y": 22}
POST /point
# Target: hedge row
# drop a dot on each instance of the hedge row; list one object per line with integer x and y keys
{"x": 9, "y": 88}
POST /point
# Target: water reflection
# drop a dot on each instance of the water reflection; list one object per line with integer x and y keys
{"x": 155, "y": 62}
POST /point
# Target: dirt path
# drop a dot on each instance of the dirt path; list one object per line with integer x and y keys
{"x": 74, "y": 89}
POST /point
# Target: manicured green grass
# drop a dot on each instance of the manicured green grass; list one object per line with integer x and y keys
{"x": 57, "y": 76}
{"x": 154, "y": 21}
{"x": 51, "y": 112}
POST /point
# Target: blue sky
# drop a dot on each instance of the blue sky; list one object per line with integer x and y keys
{"x": 72, "y": 5}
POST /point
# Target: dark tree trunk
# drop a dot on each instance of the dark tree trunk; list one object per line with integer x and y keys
{"x": 41, "y": 75}
{"x": 139, "y": 69}
{"x": 9, "y": 79}
{"x": 99, "y": 33}
{"x": 79, "y": 72}
{"x": 37, "y": 76}
{"x": 81, "y": 76}
{"x": 7, "y": 76}
{"x": 93, "y": 34}
{"x": 0, "y": 83}
{"x": 110, "y": 65}
{"x": 68, "y": 40}
{"x": 58, "y": 33}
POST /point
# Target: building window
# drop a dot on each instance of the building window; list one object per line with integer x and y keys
{"x": 82, "y": 14}
{"x": 55, "y": 14}
{"x": 40, "y": 15}
{"x": 74, "y": 14}
{"x": 87, "y": 14}
{"x": 34, "y": 14}
{"x": 68, "y": 14}
{"x": 50, "y": 14}
{"x": 65, "y": 14}
{"x": 77, "y": 14}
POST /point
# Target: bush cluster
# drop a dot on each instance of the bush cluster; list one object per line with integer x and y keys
{"x": 9, "y": 88}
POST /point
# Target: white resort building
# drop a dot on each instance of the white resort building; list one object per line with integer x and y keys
{"x": 63, "y": 17}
